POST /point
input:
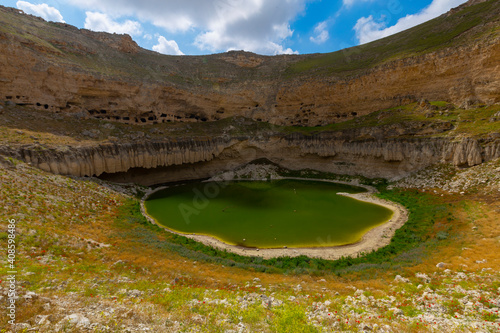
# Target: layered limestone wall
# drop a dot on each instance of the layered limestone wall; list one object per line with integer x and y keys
{"x": 59, "y": 68}
{"x": 463, "y": 76}
{"x": 157, "y": 162}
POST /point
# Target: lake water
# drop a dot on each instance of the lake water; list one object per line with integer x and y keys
{"x": 292, "y": 213}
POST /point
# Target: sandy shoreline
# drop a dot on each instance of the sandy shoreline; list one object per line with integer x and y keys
{"x": 374, "y": 239}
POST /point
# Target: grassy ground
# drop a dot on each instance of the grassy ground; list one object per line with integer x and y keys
{"x": 146, "y": 278}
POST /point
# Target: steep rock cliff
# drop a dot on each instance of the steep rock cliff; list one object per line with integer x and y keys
{"x": 155, "y": 162}
{"x": 56, "y": 67}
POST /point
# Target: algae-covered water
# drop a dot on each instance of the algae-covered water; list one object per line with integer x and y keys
{"x": 292, "y": 213}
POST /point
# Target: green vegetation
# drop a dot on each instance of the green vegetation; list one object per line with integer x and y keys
{"x": 291, "y": 319}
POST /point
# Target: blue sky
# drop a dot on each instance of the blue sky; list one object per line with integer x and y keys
{"x": 270, "y": 27}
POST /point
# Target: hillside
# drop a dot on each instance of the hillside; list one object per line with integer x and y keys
{"x": 57, "y": 67}
{"x": 88, "y": 261}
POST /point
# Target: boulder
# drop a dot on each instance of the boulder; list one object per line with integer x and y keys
{"x": 77, "y": 319}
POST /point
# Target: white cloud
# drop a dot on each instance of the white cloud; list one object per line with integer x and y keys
{"x": 350, "y": 3}
{"x": 43, "y": 10}
{"x": 260, "y": 26}
{"x": 368, "y": 29}
{"x": 102, "y": 22}
{"x": 167, "y": 46}
{"x": 322, "y": 34}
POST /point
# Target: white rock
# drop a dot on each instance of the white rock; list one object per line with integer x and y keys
{"x": 399, "y": 278}
{"x": 77, "y": 319}
{"x": 42, "y": 320}
{"x": 396, "y": 311}
{"x": 424, "y": 277}
{"x": 358, "y": 292}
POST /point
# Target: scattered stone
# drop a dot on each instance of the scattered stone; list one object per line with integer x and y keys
{"x": 22, "y": 327}
{"x": 155, "y": 131}
{"x": 424, "y": 277}
{"x": 131, "y": 293}
{"x": 43, "y": 320}
{"x": 109, "y": 126}
{"x": 92, "y": 133}
{"x": 359, "y": 292}
{"x": 399, "y": 278}
{"x": 30, "y": 295}
{"x": 496, "y": 117}
{"x": 77, "y": 319}
{"x": 94, "y": 244}
{"x": 250, "y": 171}
{"x": 423, "y": 103}
{"x": 441, "y": 265}
{"x": 396, "y": 311}
{"x": 366, "y": 328}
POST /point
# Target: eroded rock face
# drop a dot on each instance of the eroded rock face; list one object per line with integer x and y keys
{"x": 157, "y": 162}
{"x": 108, "y": 76}
{"x": 59, "y": 68}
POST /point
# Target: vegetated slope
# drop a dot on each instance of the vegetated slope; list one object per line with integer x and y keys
{"x": 57, "y": 67}
{"x": 462, "y": 26}
{"x": 86, "y": 260}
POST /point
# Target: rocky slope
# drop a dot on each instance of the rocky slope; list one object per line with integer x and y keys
{"x": 53, "y": 73}
{"x": 57, "y": 67}
{"x": 79, "y": 270}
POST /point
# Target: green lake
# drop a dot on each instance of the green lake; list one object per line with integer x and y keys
{"x": 272, "y": 214}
